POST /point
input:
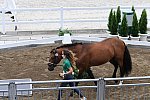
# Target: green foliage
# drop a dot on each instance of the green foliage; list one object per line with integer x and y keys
{"x": 135, "y": 26}
{"x": 83, "y": 76}
{"x": 143, "y": 22}
{"x": 114, "y": 25}
{"x": 61, "y": 32}
{"x": 76, "y": 72}
{"x": 118, "y": 14}
{"x": 124, "y": 27}
{"x": 110, "y": 19}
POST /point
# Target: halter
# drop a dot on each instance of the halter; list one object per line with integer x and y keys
{"x": 55, "y": 60}
{"x": 55, "y": 56}
{"x": 54, "y": 51}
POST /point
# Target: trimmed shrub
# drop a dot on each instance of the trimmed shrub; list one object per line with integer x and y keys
{"x": 143, "y": 22}
{"x": 124, "y": 27}
{"x": 114, "y": 25}
{"x": 118, "y": 15}
{"x": 110, "y": 19}
{"x": 135, "y": 26}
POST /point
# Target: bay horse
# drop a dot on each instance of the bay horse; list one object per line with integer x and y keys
{"x": 111, "y": 50}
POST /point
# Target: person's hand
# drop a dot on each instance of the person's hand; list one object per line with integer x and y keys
{"x": 61, "y": 75}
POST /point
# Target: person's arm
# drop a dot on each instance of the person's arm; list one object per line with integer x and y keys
{"x": 70, "y": 71}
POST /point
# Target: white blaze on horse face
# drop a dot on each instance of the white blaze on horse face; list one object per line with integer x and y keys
{"x": 56, "y": 54}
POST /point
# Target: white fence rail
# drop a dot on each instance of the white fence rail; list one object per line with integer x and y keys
{"x": 60, "y": 17}
{"x": 5, "y": 87}
{"x": 133, "y": 88}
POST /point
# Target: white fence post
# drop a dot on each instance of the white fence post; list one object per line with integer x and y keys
{"x": 3, "y": 20}
{"x": 12, "y": 91}
{"x": 10, "y": 4}
{"x": 101, "y": 89}
{"x": 61, "y": 17}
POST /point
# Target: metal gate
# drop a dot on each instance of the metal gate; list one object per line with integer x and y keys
{"x": 133, "y": 88}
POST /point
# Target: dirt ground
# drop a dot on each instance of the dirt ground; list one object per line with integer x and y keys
{"x": 31, "y": 62}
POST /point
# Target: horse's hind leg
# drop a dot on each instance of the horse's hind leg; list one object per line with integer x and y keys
{"x": 90, "y": 73}
{"x": 121, "y": 75}
{"x": 115, "y": 70}
{"x": 121, "y": 70}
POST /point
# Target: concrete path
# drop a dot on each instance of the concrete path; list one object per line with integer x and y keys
{"x": 15, "y": 41}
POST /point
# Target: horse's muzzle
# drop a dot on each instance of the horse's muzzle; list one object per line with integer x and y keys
{"x": 51, "y": 66}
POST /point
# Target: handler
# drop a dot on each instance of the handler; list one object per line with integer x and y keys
{"x": 68, "y": 63}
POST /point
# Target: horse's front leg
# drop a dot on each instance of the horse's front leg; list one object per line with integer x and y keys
{"x": 115, "y": 70}
{"x": 79, "y": 76}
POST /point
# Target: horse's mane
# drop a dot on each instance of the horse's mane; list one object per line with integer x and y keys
{"x": 70, "y": 45}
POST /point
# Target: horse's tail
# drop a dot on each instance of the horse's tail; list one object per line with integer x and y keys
{"x": 127, "y": 63}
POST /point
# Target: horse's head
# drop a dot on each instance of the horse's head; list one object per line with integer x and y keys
{"x": 56, "y": 54}
{"x": 54, "y": 59}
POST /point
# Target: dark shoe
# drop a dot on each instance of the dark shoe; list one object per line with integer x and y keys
{"x": 12, "y": 17}
{"x": 8, "y": 12}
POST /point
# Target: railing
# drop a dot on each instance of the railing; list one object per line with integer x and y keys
{"x": 105, "y": 89}
{"x": 61, "y": 19}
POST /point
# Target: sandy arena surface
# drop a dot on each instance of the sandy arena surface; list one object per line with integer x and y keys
{"x": 31, "y": 62}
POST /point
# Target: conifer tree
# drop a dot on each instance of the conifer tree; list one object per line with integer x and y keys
{"x": 124, "y": 27}
{"x": 118, "y": 14}
{"x": 135, "y": 26}
{"x": 110, "y": 20}
{"x": 143, "y": 22}
{"x": 114, "y": 24}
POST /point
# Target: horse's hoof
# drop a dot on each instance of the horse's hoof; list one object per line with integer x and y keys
{"x": 71, "y": 94}
{"x": 120, "y": 83}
